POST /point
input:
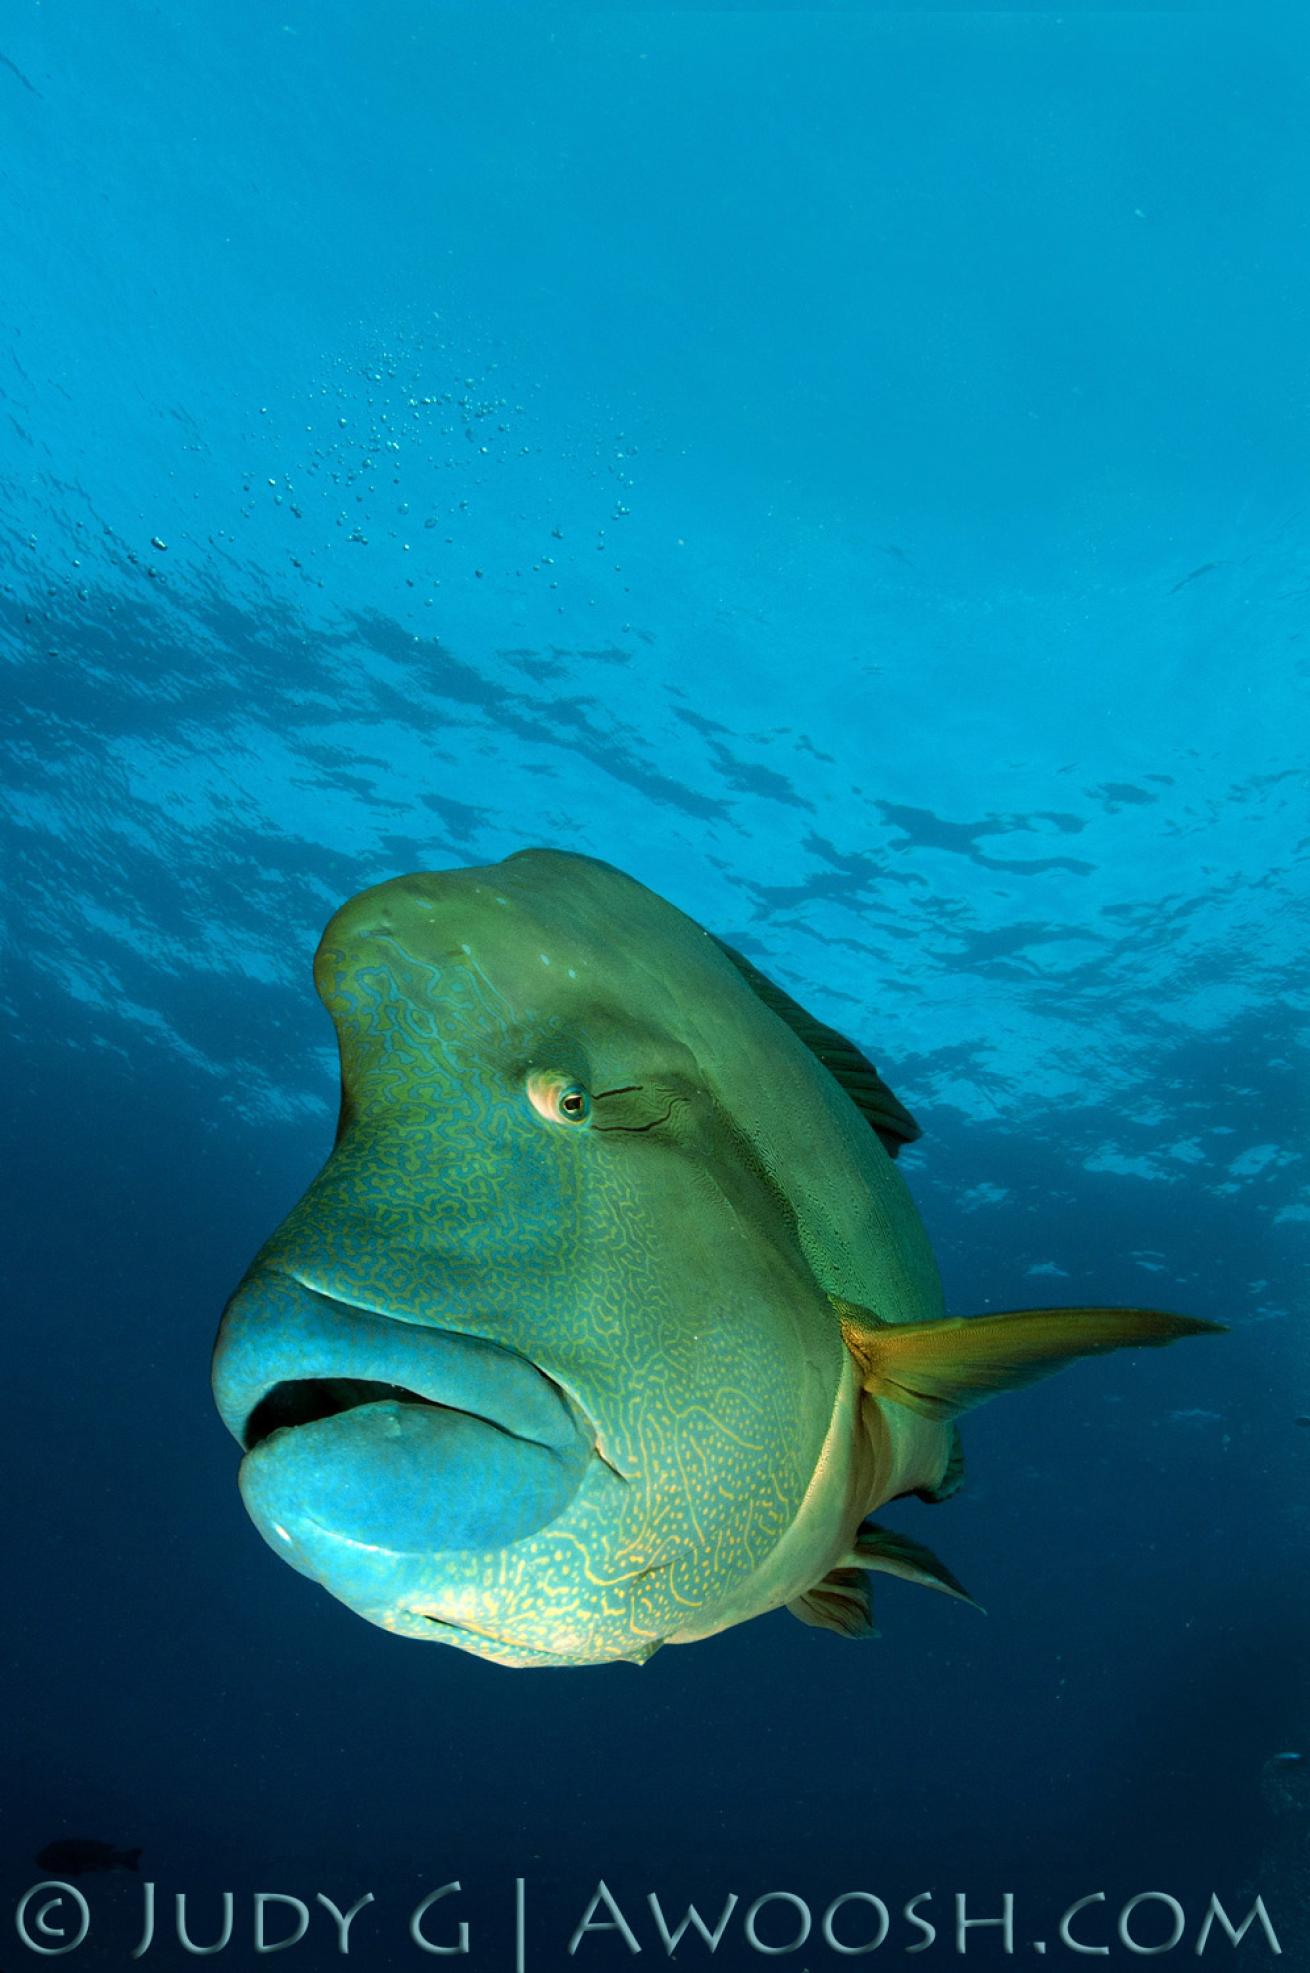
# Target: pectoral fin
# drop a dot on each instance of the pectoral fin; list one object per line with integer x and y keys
{"x": 940, "y": 1369}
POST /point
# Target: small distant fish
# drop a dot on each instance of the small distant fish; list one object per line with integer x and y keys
{"x": 1288, "y": 1759}
{"x": 1302, "y": 1419}
{"x": 75, "y": 1856}
{"x": 1192, "y": 576}
{"x": 14, "y": 70}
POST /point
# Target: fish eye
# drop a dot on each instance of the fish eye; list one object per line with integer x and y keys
{"x": 558, "y": 1098}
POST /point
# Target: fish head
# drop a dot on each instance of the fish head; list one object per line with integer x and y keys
{"x": 536, "y": 1367}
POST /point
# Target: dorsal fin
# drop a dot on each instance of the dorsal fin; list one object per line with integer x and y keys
{"x": 840, "y": 1057}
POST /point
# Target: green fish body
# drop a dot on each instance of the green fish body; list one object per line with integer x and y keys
{"x": 609, "y": 1321}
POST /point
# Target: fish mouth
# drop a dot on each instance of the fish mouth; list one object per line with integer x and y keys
{"x": 370, "y": 1439}
{"x": 299, "y": 1401}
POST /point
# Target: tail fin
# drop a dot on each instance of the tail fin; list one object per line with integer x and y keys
{"x": 940, "y": 1369}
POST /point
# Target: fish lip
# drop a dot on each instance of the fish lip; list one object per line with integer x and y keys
{"x": 583, "y": 1420}
{"x": 352, "y": 1422}
{"x": 267, "y": 1341}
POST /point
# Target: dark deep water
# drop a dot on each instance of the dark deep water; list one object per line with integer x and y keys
{"x": 849, "y": 471}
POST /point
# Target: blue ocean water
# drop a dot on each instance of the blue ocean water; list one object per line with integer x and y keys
{"x": 848, "y": 469}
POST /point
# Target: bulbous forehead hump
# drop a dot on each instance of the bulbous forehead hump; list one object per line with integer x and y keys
{"x": 538, "y": 910}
